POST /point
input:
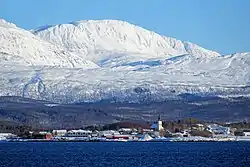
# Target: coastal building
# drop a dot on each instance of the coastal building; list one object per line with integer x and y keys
{"x": 59, "y": 132}
{"x": 126, "y": 137}
{"x": 183, "y": 133}
{"x": 217, "y": 129}
{"x": 4, "y": 136}
{"x": 94, "y": 134}
{"x": 125, "y": 130}
{"x": 200, "y": 127}
{"x": 246, "y": 133}
{"x": 111, "y": 134}
{"x": 147, "y": 130}
{"x": 108, "y": 133}
{"x": 245, "y": 136}
{"x": 42, "y": 132}
{"x": 78, "y": 133}
{"x": 158, "y": 125}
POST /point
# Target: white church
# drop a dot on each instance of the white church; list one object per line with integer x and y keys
{"x": 158, "y": 125}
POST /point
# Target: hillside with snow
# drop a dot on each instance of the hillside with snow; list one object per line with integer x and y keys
{"x": 89, "y": 61}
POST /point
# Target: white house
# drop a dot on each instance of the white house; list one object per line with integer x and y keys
{"x": 217, "y": 129}
{"x": 43, "y": 132}
{"x": 78, "y": 133}
{"x": 4, "y": 136}
{"x": 59, "y": 132}
{"x": 125, "y": 130}
{"x": 246, "y": 133}
{"x": 200, "y": 127}
{"x": 106, "y": 133}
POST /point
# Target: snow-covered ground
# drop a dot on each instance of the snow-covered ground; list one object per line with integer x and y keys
{"x": 109, "y": 59}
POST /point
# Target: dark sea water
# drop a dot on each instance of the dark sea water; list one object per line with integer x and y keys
{"x": 124, "y": 154}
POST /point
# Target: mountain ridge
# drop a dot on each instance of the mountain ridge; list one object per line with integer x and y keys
{"x": 121, "y": 36}
{"x": 107, "y": 59}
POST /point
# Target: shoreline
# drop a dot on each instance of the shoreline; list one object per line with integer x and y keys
{"x": 101, "y": 140}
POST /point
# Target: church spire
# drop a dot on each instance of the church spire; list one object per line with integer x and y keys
{"x": 159, "y": 117}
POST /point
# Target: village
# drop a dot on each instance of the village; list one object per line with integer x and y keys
{"x": 156, "y": 132}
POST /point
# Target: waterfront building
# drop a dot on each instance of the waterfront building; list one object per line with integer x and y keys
{"x": 246, "y": 133}
{"x": 42, "y": 132}
{"x": 4, "y": 136}
{"x": 94, "y": 134}
{"x": 59, "y": 132}
{"x": 158, "y": 125}
{"x": 78, "y": 133}
{"x": 108, "y": 133}
{"x": 217, "y": 129}
{"x": 183, "y": 133}
{"x": 200, "y": 127}
{"x": 125, "y": 130}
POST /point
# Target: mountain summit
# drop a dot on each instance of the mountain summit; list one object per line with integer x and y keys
{"x": 113, "y": 60}
{"x": 21, "y": 47}
{"x": 95, "y": 37}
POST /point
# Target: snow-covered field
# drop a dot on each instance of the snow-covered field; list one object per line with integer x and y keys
{"x": 114, "y": 60}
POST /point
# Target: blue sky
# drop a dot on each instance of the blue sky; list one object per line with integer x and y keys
{"x": 220, "y": 25}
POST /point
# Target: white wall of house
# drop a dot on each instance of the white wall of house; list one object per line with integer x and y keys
{"x": 246, "y": 133}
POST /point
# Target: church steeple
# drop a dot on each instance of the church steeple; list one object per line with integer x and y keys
{"x": 159, "y": 117}
{"x": 159, "y": 124}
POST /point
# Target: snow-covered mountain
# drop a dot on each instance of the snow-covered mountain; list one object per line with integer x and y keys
{"x": 113, "y": 60}
{"x": 18, "y": 46}
{"x": 97, "y": 39}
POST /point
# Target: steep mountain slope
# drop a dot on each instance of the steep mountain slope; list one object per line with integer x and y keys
{"x": 115, "y": 61}
{"x": 18, "y": 46}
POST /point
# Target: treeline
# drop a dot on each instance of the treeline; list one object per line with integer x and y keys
{"x": 118, "y": 125}
{"x": 7, "y": 127}
{"x": 173, "y": 126}
{"x": 179, "y": 125}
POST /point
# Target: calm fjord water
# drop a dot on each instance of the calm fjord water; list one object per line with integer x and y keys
{"x": 124, "y": 154}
